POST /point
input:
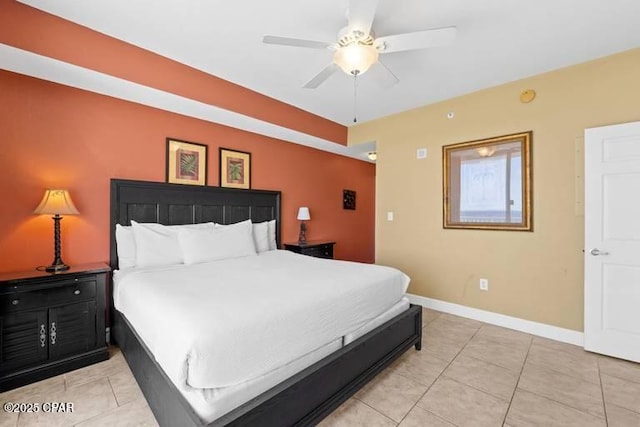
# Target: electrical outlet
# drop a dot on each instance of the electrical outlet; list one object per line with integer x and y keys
{"x": 484, "y": 284}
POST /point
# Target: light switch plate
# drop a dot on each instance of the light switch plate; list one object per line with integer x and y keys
{"x": 421, "y": 153}
{"x": 389, "y": 216}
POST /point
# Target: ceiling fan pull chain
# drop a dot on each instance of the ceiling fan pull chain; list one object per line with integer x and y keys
{"x": 355, "y": 97}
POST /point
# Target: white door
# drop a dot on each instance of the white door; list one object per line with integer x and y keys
{"x": 612, "y": 241}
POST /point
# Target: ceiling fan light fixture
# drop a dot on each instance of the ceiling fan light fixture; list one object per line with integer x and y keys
{"x": 355, "y": 58}
{"x": 486, "y": 151}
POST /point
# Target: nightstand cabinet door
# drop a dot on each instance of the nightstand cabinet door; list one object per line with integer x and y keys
{"x": 23, "y": 339}
{"x": 72, "y": 329}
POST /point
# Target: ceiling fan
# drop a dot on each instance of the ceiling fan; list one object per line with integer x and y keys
{"x": 357, "y": 48}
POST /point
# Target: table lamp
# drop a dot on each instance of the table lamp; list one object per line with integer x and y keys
{"x": 56, "y": 202}
{"x": 303, "y": 215}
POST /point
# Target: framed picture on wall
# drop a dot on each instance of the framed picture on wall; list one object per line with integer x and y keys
{"x": 186, "y": 162}
{"x": 235, "y": 169}
{"x": 349, "y": 199}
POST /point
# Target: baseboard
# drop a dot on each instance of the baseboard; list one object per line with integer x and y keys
{"x": 534, "y": 328}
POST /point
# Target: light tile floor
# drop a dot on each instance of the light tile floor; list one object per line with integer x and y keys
{"x": 467, "y": 374}
{"x": 474, "y": 374}
{"x": 103, "y": 394}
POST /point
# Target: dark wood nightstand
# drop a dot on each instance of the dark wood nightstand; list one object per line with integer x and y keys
{"x": 316, "y": 248}
{"x": 51, "y": 323}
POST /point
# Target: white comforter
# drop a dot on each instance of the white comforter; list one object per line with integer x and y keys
{"x": 221, "y": 323}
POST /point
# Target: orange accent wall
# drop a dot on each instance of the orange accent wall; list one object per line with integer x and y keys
{"x": 30, "y": 29}
{"x": 57, "y": 136}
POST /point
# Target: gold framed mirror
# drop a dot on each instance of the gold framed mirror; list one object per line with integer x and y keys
{"x": 487, "y": 183}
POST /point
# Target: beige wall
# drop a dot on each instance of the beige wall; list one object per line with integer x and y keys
{"x": 532, "y": 275}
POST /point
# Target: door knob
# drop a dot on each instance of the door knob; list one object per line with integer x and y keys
{"x": 596, "y": 252}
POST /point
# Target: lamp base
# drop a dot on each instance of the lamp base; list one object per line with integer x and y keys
{"x": 57, "y": 265}
{"x": 302, "y": 237}
{"x": 56, "y": 268}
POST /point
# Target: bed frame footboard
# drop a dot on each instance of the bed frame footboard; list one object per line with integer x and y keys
{"x": 303, "y": 399}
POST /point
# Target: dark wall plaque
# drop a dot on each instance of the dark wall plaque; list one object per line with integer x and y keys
{"x": 349, "y": 199}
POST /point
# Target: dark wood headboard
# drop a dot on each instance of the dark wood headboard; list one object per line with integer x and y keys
{"x": 175, "y": 204}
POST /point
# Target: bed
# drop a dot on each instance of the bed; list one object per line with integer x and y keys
{"x": 302, "y": 396}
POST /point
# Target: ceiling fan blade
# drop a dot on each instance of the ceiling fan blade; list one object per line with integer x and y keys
{"x": 361, "y": 15}
{"x": 287, "y": 41}
{"x": 321, "y": 76}
{"x": 383, "y": 75}
{"x": 417, "y": 40}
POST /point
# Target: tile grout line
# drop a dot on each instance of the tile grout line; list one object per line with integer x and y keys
{"x": 548, "y": 398}
{"x": 439, "y": 376}
{"x": 495, "y": 341}
{"x": 563, "y": 404}
{"x": 524, "y": 362}
{"x": 384, "y": 415}
{"x": 575, "y": 377}
{"x": 595, "y": 356}
{"x": 553, "y": 400}
{"x": 491, "y": 363}
{"x": 434, "y": 381}
{"x": 376, "y": 410}
{"x": 105, "y": 413}
{"x": 476, "y": 388}
{"x": 113, "y": 392}
{"x": 620, "y": 377}
{"x": 604, "y": 403}
{"x": 567, "y": 405}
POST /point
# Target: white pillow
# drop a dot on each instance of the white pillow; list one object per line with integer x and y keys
{"x": 125, "y": 246}
{"x": 261, "y": 236}
{"x": 158, "y": 245}
{"x": 272, "y": 235}
{"x": 220, "y": 242}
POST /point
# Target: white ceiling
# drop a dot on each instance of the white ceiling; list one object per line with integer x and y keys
{"x": 498, "y": 41}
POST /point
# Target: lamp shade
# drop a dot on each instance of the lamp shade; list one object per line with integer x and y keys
{"x": 355, "y": 58}
{"x": 303, "y": 214}
{"x": 56, "y": 202}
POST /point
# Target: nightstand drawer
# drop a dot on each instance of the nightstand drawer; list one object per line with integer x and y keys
{"x": 72, "y": 291}
{"x": 322, "y": 251}
{"x": 318, "y": 249}
{"x": 75, "y": 291}
{"x": 19, "y": 301}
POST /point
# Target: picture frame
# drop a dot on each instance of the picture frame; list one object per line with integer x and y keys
{"x": 186, "y": 162}
{"x": 349, "y": 200}
{"x": 235, "y": 168}
{"x": 487, "y": 183}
